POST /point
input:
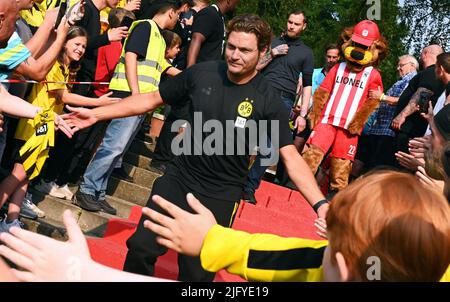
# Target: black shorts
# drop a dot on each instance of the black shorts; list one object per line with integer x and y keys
{"x": 17, "y": 144}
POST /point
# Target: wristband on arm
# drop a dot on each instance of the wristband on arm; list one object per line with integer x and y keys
{"x": 318, "y": 204}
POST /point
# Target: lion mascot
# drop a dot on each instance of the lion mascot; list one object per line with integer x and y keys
{"x": 341, "y": 105}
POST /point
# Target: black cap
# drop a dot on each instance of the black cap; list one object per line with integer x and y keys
{"x": 442, "y": 122}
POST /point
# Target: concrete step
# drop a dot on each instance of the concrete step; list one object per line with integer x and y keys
{"x": 123, "y": 207}
{"x": 93, "y": 223}
{"x": 142, "y": 177}
{"x": 137, "y": 160}
{"x": 143, "y": 148}
{"x": 47, "y": 227}
{"x": 128, "y": 191}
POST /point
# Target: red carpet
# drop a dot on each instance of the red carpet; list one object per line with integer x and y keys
{"x": 279, "y": 211}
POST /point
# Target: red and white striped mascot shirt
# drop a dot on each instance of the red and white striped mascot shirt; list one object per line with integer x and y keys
{"x": 348, "y": 90}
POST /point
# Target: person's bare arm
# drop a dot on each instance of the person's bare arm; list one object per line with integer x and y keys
{"x": 194, "y": 48}
{"x": 78, "y": 100}
{"x": 378, "y": 94}
{"x": 412, "y": 107}
{"x": 302, "y": 177}
{"x": 280, "y": 50}
{"x": 38, "y": 69}
{"x": 45, "y": 259}
{"x": 36, "y": 44}
{"x": 15, "y": 106}
{"x": 172, "y": 71}
{"x": 81, "y": 118}
{"x": 306, "y": 99}
{"x": 131, "y": 72}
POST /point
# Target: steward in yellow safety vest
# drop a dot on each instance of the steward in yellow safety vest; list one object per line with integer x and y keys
{"x": 150, "y": 69}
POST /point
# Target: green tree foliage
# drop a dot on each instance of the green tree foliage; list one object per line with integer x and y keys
{"x": 327, "y": 18}
{"x": 428, "y": 22}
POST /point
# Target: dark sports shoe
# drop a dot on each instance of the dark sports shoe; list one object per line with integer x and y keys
{"x": 156, "y": 167}
{"x": 120, "y": 173}
{"x": 106, "y": 207}
{"x": 86, "y": 202}
{"x": 249, "y": 197}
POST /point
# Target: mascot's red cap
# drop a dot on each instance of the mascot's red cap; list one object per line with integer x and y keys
{"x": 365, "y": 32}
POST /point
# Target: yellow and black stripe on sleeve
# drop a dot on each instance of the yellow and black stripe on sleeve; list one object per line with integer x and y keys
{"x": 262, "y": 257}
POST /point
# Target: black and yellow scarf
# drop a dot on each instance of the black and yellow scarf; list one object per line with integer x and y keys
{"x": 35, "y": 151}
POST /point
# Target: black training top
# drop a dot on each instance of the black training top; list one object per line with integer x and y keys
{"x": 209, "y": 23}
{"x": 415, "y": 124}
{"x": 283, "y": 72}
{"x": 205, "y": 88}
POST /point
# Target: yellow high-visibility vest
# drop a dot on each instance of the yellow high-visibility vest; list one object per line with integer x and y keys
{"x": 149, "y": 70}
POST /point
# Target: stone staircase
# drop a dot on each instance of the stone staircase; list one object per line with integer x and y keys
{"x": 279, "y": 211}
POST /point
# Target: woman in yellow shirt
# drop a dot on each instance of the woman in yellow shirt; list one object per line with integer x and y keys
{"x": 51, "y": 95}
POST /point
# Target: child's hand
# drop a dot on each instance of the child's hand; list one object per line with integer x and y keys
{"x": 321, "y": 225}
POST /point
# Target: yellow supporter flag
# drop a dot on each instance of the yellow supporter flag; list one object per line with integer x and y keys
{"x": 35, "y": 151}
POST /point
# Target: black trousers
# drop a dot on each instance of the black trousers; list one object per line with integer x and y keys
{"x": 143, "y": 250}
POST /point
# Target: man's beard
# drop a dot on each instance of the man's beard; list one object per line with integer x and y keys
{"x": 433, "y": 164}
{"x": 328, "y": 66}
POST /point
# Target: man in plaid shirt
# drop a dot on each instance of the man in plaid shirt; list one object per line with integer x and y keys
{"x": 381, "y": 136}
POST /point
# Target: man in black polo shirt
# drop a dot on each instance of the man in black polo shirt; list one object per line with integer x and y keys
{"x": 408, "y": 121}
{"x": 208, "y": 32}
{"x": 231, "y": 96}
{"x": 282, "y": 72}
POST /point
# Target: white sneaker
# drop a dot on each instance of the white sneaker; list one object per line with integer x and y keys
{"x": 49, "y": 188}
{"x": 28, "y": 204}
{"x": 66, "y": 191}
{"x": 4, "y": 226}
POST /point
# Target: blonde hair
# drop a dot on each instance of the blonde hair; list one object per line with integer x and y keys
{"x": 172, "y": 39}
{"x": 392, "y": 216}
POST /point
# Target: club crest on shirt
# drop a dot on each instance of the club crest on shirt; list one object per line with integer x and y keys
{"x": 245, "y": 108}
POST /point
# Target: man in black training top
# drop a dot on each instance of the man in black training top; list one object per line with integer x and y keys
{"x": 208, "y": 32}
{"x": 224, "y": 94}
{"x": 282, "y": 72}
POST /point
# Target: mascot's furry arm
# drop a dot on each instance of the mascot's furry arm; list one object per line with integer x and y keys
{"x": 362, "y": 115}
{"x": 320, "y": 98}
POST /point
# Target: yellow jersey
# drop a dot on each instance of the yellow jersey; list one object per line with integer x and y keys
{"x": 266, "y": 257}
{"x": 40, "y": 96}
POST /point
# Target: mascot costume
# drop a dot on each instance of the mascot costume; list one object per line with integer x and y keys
{"x": 341, "y": 105}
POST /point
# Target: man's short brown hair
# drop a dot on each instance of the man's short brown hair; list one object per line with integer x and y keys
{"x": 443, "y": 60}
{"x": 250, "y": 23}
{"x": 116, "y": 16}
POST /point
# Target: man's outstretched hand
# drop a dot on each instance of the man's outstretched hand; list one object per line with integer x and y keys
{"x": 182, "y": 231}
{"x": 79, "y": 118}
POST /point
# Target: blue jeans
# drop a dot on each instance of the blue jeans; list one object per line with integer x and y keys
{"x": 257, "y": 171}
{"x": 118, "y": 138}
